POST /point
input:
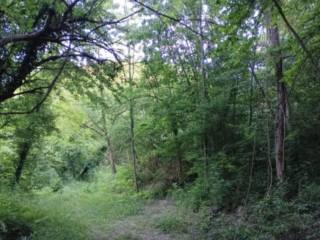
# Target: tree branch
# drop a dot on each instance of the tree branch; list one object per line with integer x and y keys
{"x": 160, "y": 14}
{"x": 34, "y": 90}
{"x": 28, "y": 36}
{"x": 296, "y": 35}
{"x": 39, "y": 104}
{"x": 84, "y": 125}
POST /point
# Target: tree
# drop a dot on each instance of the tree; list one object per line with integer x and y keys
{"x": 282, "y": 99}
{"x": 56, "y": 32}
{"x": 29, "y": 131}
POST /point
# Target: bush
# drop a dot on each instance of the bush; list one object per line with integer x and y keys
{"x": 272, "y": 217}
{"x": 171, "y": 224}
{"x": 210, "y": 191}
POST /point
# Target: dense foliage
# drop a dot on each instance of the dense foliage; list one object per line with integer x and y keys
{"x": 214, "y": 104}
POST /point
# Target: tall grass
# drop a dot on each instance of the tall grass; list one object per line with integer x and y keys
{"x": 80, "y": 210}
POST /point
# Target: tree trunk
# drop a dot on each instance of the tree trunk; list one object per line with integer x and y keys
{"x": 111, "y": 156}
{"x": 179, "y": 171}
{"x": 133, "y": 148}
{"x": 24, "y": 150}
{"x": 204, "y": 90}
{"x": 280, "y": 128}
{"x": 131, "y": 112}
{"x": 282, "y": 109}
{"x": 110, "y": 153}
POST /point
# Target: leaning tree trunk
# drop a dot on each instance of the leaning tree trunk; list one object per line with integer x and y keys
{"x": 282, "y": 108}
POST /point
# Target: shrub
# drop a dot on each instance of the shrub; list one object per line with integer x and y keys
{"x": 171, "y": 224}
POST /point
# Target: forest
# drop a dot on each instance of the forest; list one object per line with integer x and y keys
{"x": 159, "y": 120}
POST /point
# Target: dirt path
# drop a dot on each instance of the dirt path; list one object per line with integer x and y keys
{"x": 157, "y": 221}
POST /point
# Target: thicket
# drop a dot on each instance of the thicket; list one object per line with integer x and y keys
{"x": 219, "y": 109}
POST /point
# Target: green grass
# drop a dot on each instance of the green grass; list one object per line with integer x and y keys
{"x": 127, "y": 237}
{"x": 171, "y": 224}
{"x": 75, "y": 212}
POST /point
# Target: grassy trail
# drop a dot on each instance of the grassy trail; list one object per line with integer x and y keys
{"x": 97, "y": 211}
{"x": 159, "y": 220}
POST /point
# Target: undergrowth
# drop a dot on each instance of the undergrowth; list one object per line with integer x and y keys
{"x": 75, "y": 211}
{"x": 272, "y": 217}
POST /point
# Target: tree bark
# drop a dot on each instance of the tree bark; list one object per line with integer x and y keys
{"x": 282, "y": 108}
